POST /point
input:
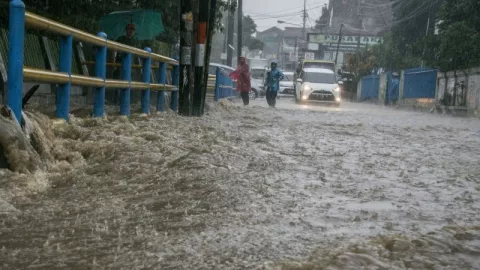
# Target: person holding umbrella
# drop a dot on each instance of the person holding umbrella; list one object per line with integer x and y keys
{"x": 127, "y": 39}
{"x": 132, "y": 28}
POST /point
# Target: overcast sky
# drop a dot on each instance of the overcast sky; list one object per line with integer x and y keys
{"x": 266, "y": 13}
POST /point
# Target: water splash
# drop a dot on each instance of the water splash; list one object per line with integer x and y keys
{"x": 240, "y": 187}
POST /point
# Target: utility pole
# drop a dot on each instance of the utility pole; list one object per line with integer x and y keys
{"x": 225, "y": 47}
{"x": 186, "y": 48}
{"x": 295, "y": 53}
{"x": 240, "y": 29}
{"x": 304, "y": 31}
{"x": 210, "y": 33}
{"x": 201, "y": 39}
{"x": 425, "y": 43}
{"x": 230, "y": 36}
{"x": 338, "y": 44}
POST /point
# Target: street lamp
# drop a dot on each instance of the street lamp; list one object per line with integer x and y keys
{"x": 284, "y": 22}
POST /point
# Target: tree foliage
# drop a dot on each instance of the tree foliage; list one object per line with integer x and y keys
{"x": 322, "y": 22}
{"x": 409, "y": 44}
{"x": 361, "y": 64}
{"x": 411, "y": 20}
{"x": 459, "y": 36}
{"x": 84, "y": 14}
{"x": 249, "y": 27}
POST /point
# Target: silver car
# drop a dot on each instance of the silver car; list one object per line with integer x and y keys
{"x": 286, "y": 85}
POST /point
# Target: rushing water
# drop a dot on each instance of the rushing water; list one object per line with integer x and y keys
{"x": 244, "y": 188}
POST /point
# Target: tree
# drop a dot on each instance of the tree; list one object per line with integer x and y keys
{"x": 361, "y": 63}
{"x": 84, "y": 14}
{"x": 459, "y": 36}
{"x": 255, "y": 44}
{"x": 411, "y": 19}
{"x": 248, "y": 29}
{"x": 408, "y": 42}
{"x": 322, "y": 22}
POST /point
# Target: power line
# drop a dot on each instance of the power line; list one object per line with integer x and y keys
{"x": 391, "y": 4}
{"x": 420, "y": 9}
{"x": 281, "y": 16}
{"x": 277, "y": 16}
{"x": 278, "y": 11}
{"x": 425, "y": 6}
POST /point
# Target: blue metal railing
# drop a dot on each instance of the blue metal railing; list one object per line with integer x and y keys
{"x": 17, "y": 73}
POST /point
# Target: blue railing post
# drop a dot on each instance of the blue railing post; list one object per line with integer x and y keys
{"x": 162, "y": 79}
{"x": 126, "y": 76}
{"x": 147, "y": 65}
{"x": 65, "y": 65}
{"x": 100, "y": 72}
{"x": 216, "y": 91}
{"x": 176, "y": 82}
{"x": 16, "y": 38}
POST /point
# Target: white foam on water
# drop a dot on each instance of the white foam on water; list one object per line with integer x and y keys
{"x": 319, "y": 189}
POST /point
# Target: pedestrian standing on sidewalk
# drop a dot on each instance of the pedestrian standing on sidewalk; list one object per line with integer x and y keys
{"x": 274, "y": 77}
{"x": 242, "y": 75}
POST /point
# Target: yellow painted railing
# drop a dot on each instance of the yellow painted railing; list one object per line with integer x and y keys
{"x": 17, "y": 73}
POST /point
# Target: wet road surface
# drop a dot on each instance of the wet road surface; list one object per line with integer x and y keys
{"x": 297, "y": 187}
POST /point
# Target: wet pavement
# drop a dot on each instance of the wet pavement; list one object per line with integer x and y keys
{"x": 297, "y": 187}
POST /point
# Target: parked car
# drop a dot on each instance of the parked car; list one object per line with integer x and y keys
{"x": 257, "y": 81}
{"x": 318, "y": 85}
{"x": 286, "y": 85}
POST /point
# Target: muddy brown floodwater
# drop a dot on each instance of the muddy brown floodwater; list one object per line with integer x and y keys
{"x": 247, "y": 188}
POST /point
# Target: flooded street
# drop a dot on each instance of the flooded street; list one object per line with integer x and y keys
{"x": 297, "y": 187}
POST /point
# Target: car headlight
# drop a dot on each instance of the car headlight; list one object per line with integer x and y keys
{"x": 337, "y": 89}
{"x": 307, "y": 88}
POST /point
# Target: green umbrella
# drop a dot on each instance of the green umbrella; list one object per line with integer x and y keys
{"x": 148, "y": 24}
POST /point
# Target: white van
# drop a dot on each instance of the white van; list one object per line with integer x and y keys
{"x": 318, "y": 85}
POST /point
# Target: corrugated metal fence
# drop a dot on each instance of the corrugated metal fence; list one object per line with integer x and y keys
{"x": 420, "y": 83}
{"x": 370, "y": 87}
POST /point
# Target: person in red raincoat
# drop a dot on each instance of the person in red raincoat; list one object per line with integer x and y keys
{"x": 242, "y": 75}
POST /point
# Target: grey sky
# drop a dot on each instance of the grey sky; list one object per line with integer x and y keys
{"x": 266, "y": 13}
